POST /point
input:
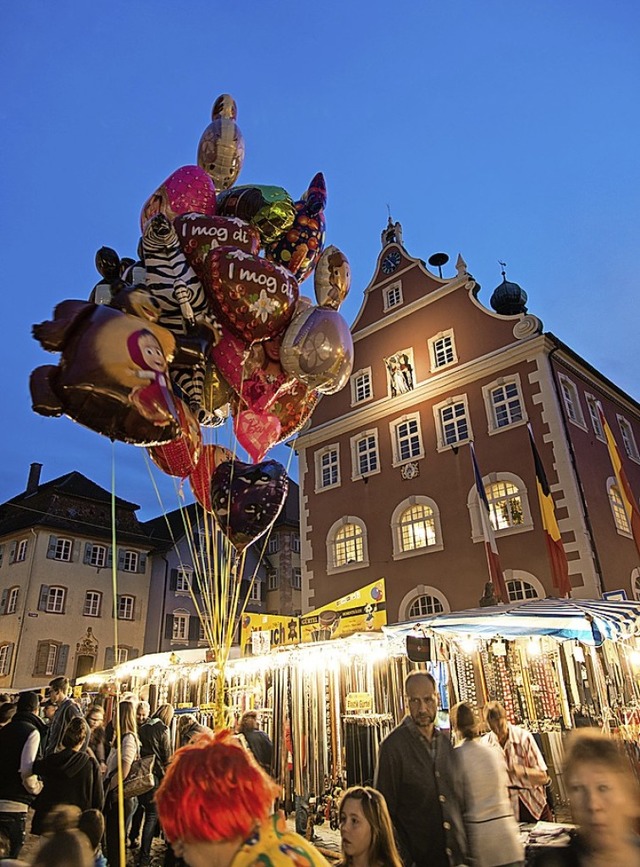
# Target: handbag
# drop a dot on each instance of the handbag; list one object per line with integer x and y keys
{"x": 140, "y": 778}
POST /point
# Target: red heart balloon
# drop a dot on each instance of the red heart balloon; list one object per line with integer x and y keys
{"x": 198, "y": 234}
{"x": 254, "y": 297}
{"x": 200, "y": 478}
{"x": 180, "y": 456}
{"x": 256, "y": 432}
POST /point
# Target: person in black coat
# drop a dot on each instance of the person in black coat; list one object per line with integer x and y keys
{"x": 154, "y": 741}
{"x": 258, "y": 742}
{"x": 70, "y": 776}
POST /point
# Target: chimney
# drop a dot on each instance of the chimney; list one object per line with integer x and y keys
{"x": 34, "y": 478}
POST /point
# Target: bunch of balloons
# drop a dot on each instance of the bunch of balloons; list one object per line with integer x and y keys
{"x": 208, "y": 322}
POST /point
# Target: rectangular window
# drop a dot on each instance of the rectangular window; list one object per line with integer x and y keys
{"x": 628, "y": 439}
{"x": 130, "y": 561}
{"x": 274, "y": 544}
{"x": 296, "y": 578}
{"x": 594, "y": 415}
{"x": 327, "y": 468}
{"x": 52, "y": 656}
{"x": 63, "y": 550}
{"x": 442, "y": 350}
{"x": 92, "y": 604}
{"x": 21, "y": 551}
{"x": 183, "y": 581}
{"x": 505, "y": 402}
{"x": 122, "y": 655}
{"x": 454, "y": 423}
{"x": 201, "y": 635}
{"x": 125, "y": 607}
{"x": 361, "y": 386}
{"x": 407, "y": 442}
{"x": 4, "y": 658}
{"x": 295, "y": 543}
{"x": 392, "y": 296}
{"x": 180, "y": 627}
{"x": 12, "y": 600}
{"x": 366, "y": 455}
{"x": 254, "y": 593}
{"x": 272, "y": 579}
{"x": 571, "y": 400}
{"x": 55, "y": 600}
{"x": 98, "y": 556}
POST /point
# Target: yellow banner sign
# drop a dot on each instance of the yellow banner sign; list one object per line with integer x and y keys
{"x": 364, "y": 610}
{"x": 272, "y": 631}
{"x": 359, "y": 702}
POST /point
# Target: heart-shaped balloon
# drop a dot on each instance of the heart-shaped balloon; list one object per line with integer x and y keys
{"x": 257, "y": 432}
{"x": 255, "y": 297}
{"x": 180, "y": 456}
{"x": 199, "y": 234}
{"x": 317, "y": 348}
{"x": 293, "y": 409}
{"x": 247, "y": 498}
{"x": 188, "y": 189}
{"x": 200, "y": 478}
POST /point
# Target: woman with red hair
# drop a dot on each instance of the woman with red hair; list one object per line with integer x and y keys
{"x": 215, "y": 806}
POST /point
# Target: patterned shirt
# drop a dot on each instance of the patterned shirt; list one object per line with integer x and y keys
{"x": 521, "y": 749}
{"x": 273, "y": 845}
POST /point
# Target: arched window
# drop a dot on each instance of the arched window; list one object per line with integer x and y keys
{"x": 519, "y": 590}
{"x": 635, "y": 583}
{"x": 423, "y": 606}
{"x": 617, "y": 508}
{"x": 415, "y": 526}
{"x": 347, "y": 545}
{"x": 422, "y": 601}
{"x": 508, "y": 506}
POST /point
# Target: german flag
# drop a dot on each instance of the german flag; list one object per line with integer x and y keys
{"x": 555, "y": 548}
{"x": 624, "y": 488}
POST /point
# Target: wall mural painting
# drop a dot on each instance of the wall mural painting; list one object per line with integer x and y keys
{"x": 400, "y": 372}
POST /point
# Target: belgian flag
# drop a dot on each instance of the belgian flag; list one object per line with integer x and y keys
{"x": 555, "y": 548}
{"x": 624, "y": 488}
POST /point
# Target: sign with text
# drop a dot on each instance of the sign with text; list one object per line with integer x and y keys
{"x": 364, "y": 610}
{"x": 280, "y": 631}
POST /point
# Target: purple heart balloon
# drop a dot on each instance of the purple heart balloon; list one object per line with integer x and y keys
{"x": 247, "y": 498}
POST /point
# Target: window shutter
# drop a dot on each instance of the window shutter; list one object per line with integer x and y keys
{"x": 51, "y": 550}
{"x": 44, "y": 595}
{"x": 3, "y": 601}
{"x": 137, "y": 608}
{"x": 109, "y": 557}
{"x": 194, "y": 627}
{"x": 134, "y": 653}
{"x": 61, "y": 659}
{"x": 120, "y": 559}
{"x": 142, "y": 563}
{"x": 75, "y": 550}
{"x": 12, "y": 552}
{"x": 109, "y": 658}
{"x": 42, "y": 655}
{"x": 64, "y": 602}
{"x": 9, "y": 655}
{"x": 168, "y": 626}
{"x": 88, "y": 549}
{"x": 173, "y": 579}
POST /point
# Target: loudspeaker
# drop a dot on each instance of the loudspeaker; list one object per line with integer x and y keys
{"x": 420, "y": 649}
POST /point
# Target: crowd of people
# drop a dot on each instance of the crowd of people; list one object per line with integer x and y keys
{"x": 436, "y": 800}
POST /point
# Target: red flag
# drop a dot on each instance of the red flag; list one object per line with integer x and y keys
{"x": 624, "y": 488}
{"x": 493, "y": 558}
{"x": 555, "y": 548}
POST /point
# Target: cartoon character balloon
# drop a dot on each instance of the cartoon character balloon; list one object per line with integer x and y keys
{"x": 299, "y": 248}
{"x": 332, "y": 278}
{"x": 221, "y": 148}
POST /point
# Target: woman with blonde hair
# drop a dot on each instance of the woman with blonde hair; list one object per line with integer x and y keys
{"x": 492, "y": 831}
{"x": 129, "y": 750}
{"x": 366, "y": 830}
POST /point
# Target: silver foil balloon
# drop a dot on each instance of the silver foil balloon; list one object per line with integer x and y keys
{"x": 317, "y": 348}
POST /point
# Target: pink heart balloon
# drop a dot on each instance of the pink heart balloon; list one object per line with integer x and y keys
{"x": 256, "y": 432}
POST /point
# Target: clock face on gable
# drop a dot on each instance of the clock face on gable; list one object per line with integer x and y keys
{"x": 391, "y": 261}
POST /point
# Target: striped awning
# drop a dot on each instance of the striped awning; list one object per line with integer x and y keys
{"x": 589, "y": 621}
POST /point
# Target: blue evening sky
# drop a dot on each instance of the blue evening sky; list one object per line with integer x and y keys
{"x": 500, "y": 129}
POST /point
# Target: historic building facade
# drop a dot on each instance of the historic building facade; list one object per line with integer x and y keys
{"x": 387, "y": 484}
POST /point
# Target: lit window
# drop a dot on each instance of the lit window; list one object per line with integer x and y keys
{"x": 506, "y": 405}
{"x": 392, "y": 296}
{"x": 519, "y": 590}
{"x": 571, "y": 400}
{"x": 180, "y": 630}
{"x": 55, "y": 600}
{"x": 98, "y": 556}
{"x": 125, "y": 607}
{"x": 63, "y": 550}
{"x": 130, "y": 561}
{"x": 327, "y": 464}
{"x": 424, "y": 606}
{"x": 406, "y": 439}
{"x": 12, "y": 600}
{"x": 274, "y": 544}
{"x": 361, "y": 387}
{"x": 295, "y": 543}
{"x": 4, "y": 658}
{"x": 505, "y": 505}
{"x": 618, "y": 510}
{"x": 183, "y": 581}
{"x": 296, "y": 578}
{"x": 364, "y": 449}
{"x": 628, "y": 439}
{"x": 417, "y": 528}
{"x": 347, "y": 545}
{"x": 594, "y": 415}
{"x": 92, "y": 603}
{"x": 454, "y": 423}
{"x": 272, "y": 579}
{"x": 442, "y": 350}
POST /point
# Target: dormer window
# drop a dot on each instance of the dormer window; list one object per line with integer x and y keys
{"x": 392, "y": 296}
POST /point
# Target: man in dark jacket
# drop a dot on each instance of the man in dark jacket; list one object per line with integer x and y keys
{"x": 67, "y": 709}
{"x": 154, "y": 741}
{"x": 258, "y": 742}
{"x": 416, "y": 774}
{"x": 20, "y": 742}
